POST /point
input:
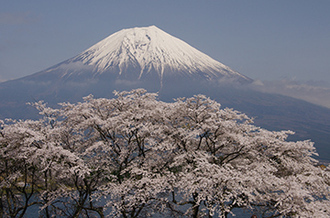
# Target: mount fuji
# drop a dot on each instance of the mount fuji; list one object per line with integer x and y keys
{"x": 140, "y": 54}
{"x": 148, "y": 57}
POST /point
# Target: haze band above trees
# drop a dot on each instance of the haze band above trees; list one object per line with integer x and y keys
{"x": 133, "y": 156}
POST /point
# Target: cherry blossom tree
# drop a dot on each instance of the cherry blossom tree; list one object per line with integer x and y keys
{"x": 119, "y": 137}
{"x": 134, "y": 156}
{"x": 223, "y": 162}
{"x": 32, "y": 163}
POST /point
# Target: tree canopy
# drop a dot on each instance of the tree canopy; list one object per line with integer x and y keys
{"x": 134, "y": 156}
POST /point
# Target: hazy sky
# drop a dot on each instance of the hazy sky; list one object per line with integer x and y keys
{"x": 266, "y": 40}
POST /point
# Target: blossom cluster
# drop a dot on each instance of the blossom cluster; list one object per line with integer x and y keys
{"x": 135, "y": 156}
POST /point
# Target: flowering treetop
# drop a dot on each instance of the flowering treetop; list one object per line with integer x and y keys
{"x": 144, "y": 156}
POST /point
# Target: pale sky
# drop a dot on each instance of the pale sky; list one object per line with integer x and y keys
{"x": 264, "y": 40}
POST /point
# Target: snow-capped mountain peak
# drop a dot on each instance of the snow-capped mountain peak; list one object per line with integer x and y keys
{"x": 150, "y": 50}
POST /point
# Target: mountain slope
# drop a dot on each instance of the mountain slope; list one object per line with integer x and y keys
{"x": 140, "y": 54}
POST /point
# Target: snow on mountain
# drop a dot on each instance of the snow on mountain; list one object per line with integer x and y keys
{"x": 139, "y": 53}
